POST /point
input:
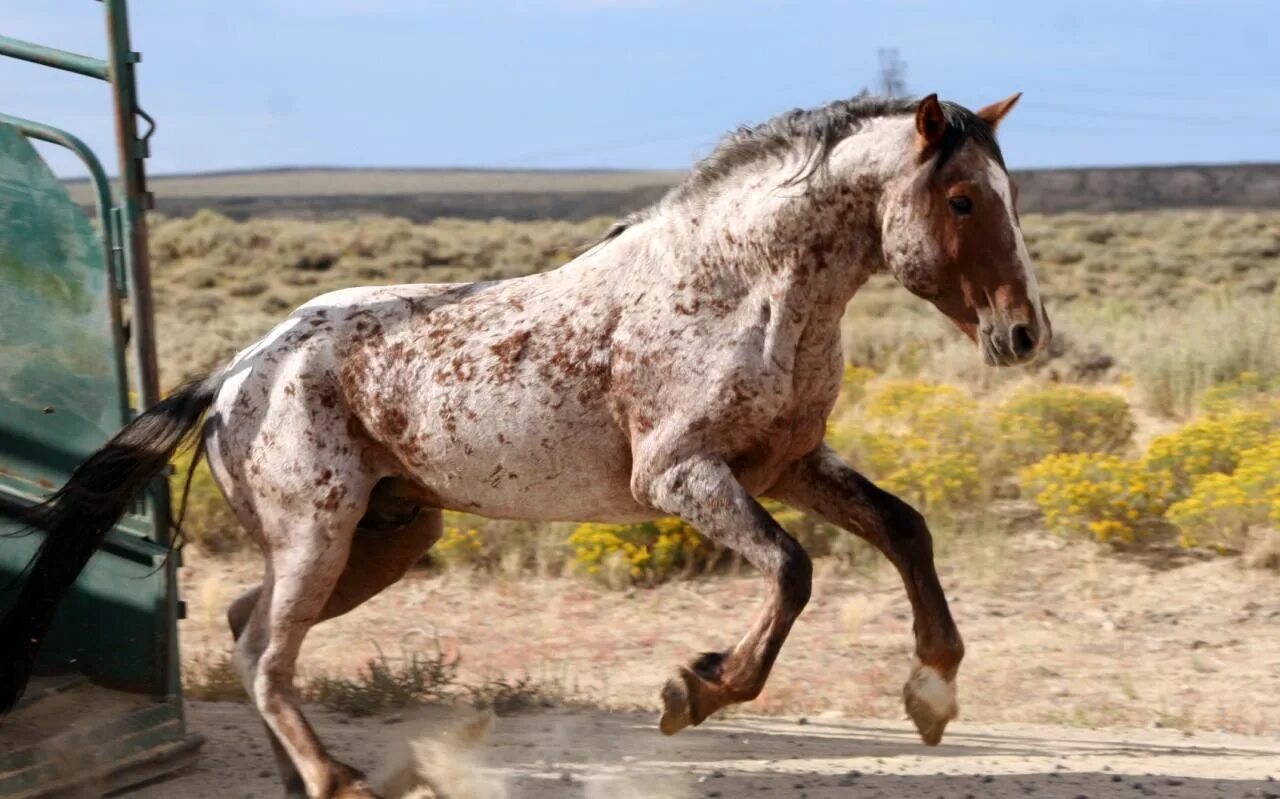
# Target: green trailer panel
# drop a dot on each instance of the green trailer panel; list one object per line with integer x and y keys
{"x": 61, "y": 365}
{"x": 109, "y": 683}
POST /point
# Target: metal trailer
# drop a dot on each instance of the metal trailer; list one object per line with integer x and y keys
{"x": 77, "y": 361}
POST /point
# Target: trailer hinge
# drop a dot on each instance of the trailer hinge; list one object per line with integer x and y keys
{"x": 117, "y": 251}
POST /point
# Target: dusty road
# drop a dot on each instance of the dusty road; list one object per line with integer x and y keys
{"x": 1056, "y": 632}
{"x": 1069, "y": 645}
{"x": 599, "y": 755}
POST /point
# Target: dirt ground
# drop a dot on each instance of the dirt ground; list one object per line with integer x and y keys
{"x": 598, "y": 755}
{"x": 1068, "y": 644}
{"x": 1056, "y": 632}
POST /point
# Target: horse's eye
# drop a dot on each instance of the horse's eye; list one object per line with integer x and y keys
{"x": 961, "y": 205}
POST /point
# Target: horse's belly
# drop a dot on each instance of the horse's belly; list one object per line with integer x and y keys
{"x": 521, "y": 458}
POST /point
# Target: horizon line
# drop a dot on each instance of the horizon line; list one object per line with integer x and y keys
{"x": 278, "y": 170}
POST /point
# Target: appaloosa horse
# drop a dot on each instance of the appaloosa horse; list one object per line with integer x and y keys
{"x": 685, "y": 365}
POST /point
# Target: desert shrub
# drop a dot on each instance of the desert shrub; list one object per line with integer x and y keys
{"x": 853, "y": 383}
{"x": 1248, "y": 391}
{"x": 644, "y": 553}
{"x": 921, "y": 440}
{"x": 385, "y": 683}
{"x": 212, "y": 678}
{"x": 1178, "y": 356}
{"x": 509, "y": 547}
{"x": 819, "y": 539}
{"x": 463, "y": 547}
{"x": 907, "y": 401}
{"x": 1221, "y": 508}
{"x": 509, "y": 695}
{"x": 1107, "y": 496}
{"x": 207, "y": 520}
{"x": 247, "y": 288}
{"x": 937, "y": 481}
{"x": 1038, "y": 422}
{"x": 1209, "y": 445}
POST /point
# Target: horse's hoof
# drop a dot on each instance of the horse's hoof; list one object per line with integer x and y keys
{"x": 351, "y": 784}
{"x": 930, "y": 701}
{"x": 356, "y": 790}
{"x": 677, "y": 705}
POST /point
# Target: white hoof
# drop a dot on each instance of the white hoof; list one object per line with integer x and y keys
{"x": 930, "y": 701}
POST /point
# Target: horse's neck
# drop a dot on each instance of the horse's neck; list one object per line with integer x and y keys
{"x": 814, "y": 243}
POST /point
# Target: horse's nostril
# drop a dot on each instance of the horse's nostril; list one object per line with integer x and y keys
{"x": 1023, "y": 340}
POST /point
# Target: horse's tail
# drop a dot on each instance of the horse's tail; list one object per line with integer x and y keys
{"x": 77, "y": 518}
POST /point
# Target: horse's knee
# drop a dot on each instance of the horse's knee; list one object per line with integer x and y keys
{"x": 907, "y": 527}
{"x": 240, "y": 610}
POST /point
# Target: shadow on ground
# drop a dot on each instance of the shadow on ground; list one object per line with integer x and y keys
{"x": 597, "y": 755}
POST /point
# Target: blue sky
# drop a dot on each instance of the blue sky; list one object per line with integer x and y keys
{"x": 650, "y": 83}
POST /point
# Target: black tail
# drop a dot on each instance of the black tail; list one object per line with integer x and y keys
{"x": 78, "y": 517}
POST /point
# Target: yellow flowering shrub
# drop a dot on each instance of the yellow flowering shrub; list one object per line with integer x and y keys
{"x": 1248, "y": 391}
{"x": 463, "y": 546}
{"x": 908, "y": 400}
{"x": 921, "y": 441}
{"x": 937, "y": 480}
{"x": 645, "y": 553}
{"x": 853, "y": 388}
{"x": 1105, "y": 495}
{"x": 1062, "y": 419}
{"x": 853, "y": 384}
{"x": 1222, "y": 507}
{"x": 1209, "y": 445}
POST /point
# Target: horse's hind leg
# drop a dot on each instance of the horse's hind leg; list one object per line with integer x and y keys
{"x": 377, "y": 559}
{"x": 306, "y": 555}
{"x": 704, "y": 492}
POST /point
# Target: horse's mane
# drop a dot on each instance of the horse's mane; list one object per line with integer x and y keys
{"x": 816, "y": 132}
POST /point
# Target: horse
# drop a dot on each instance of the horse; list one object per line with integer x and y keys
{"x": 683, "y": 365}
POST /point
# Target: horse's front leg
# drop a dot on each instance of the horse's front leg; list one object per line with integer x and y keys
{"x": 703, "y": 491}
{"x": 824, "y": 485}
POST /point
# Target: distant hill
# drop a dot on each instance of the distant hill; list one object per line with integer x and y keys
{"x": 425, "y": 194}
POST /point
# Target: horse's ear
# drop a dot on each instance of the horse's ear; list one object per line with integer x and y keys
{"x": 995, "y": 112}
{"x": 930, "y": 122}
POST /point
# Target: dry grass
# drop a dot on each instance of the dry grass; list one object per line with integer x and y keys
{"x": 1115, "y": 283}
{"x": 233, "y": 281}
{"x": 1159, "y": 305}
{"x": 385, "y": 684}
{"x": 367, "y": 182}
{"x": 212, "y": 678}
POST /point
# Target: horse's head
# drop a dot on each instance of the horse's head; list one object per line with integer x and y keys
{"x": 951, "y": 232}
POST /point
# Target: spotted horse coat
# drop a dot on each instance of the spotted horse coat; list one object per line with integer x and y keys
{"x": 685, "y": 365}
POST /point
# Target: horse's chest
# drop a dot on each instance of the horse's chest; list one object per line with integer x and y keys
{"x": 794, "y": 426}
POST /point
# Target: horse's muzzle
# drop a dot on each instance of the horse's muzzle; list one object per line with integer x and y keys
{"x": 1014, "y": 343}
